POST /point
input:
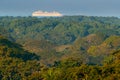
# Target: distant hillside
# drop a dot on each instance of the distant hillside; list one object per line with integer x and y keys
{"x": 110, "y": 45}
{"x": 59, "y": 30}
{"x": 60, "y": 48}
{"x": 56, "y": 38}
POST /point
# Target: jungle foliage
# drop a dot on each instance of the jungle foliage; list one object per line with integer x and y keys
{"x": 60, "y": 48}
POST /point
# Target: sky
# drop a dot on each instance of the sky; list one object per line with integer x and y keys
{"x": 66, "y": 7}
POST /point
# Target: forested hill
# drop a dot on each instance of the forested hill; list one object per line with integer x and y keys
{"x": 57, "y": 38}
{"x": 60, "y": 48}
{"x": 58, "y": 30}
{"x": 18, "y": 64}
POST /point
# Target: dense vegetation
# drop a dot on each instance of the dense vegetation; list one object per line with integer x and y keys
{"x": 60, "y": 48}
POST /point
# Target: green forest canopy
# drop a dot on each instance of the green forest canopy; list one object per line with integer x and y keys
{"x": 59, "y": 48}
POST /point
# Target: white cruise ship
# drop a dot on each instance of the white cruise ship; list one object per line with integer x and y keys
{"x": 49, "y": 14}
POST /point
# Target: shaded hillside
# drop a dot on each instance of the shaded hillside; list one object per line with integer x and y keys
{"x": 10, "y": 49}
{"x": 15, "y": 62}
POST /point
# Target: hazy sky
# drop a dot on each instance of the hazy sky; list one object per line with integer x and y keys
{"x": 73, "y": 7}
